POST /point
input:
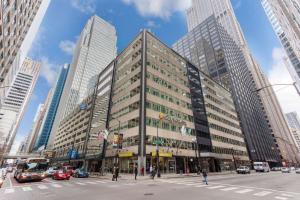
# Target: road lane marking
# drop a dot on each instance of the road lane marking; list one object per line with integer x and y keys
{"x": 56, "y": 185}
{"x": 130, "y": 184}
{"x": 42, "y": 187}
{"x": 201, "y": 186}
{"x": 101, "y": 182}
{"x": 281, "y": 198}
{"x": 27, "y": 189}
{"x": 216, "y": 187}
{"x": 229, "y": 189}
{"x": 263, "y": 193}
{"x": 113, "y": 186}
{"x": 8, "y": 191}
{"x": 244, "y": 191}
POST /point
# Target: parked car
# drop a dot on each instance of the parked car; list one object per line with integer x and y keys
{"x": 80, "y": 173}
{"x": 61, "y": 175}
{"x": 297, "y": 171}
{"x": 276, "y": 169}
{"x": 9, "y": 169}
{"x": 261, "y": 166}
{"x": 285, "y": 170}
{"x": 51, "y": 171}
{"x": 3, "y": 173}
{"x": 243, "y": 170}
{"x": 69, "y": 169}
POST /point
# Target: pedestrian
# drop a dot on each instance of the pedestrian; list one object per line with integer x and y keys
{"x": 143, "y": 171}
{"x": 204, "y": 174}
{"x": 135, "y": 171}
{"x": 113, "y": 173}
{"x": 153, "y": 173}
{"x": 117, "y": 173}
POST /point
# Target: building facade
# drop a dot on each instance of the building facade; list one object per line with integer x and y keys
{"x": 284, "y": 16}
{"x": 19, "y": 23}
{"x": 95, "y": 49}
{"x": 200, "y": 122}
{"x": 213, "y": 50}
{"x": 52, "y": 109}
{"x": 294, "y": 124}
{"x": 15, "y": 103}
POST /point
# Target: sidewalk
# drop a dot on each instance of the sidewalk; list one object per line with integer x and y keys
{"x": 163, "y": 176}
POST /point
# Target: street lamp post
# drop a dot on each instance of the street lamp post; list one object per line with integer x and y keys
{"x": 118, "y": 145}
{"x": 233, "y": 157}
{"x": 161, "y": 117}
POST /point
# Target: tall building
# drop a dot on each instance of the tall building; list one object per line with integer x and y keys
{"x": 294, "y": 123}
{"x": 284, "y": 15}
{"x": 95, "y": 49}
{"x": 37, "y": 123}
{"x": 19, "y": 24}
{"x": 146, "y": 80}
{"x": 214, "y": 52}
{"x": 15, "y": 103}
{"x": 223, "y": 11}
{"x": 52, "y": 109}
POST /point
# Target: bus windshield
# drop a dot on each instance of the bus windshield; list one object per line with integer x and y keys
{"x": 35, "y": 167}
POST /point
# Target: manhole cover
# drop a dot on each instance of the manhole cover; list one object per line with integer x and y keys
{"x": 148, "y": 194}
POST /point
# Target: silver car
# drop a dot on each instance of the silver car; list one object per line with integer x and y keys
{"x": 297, "y": 171}
{"x": 285, "y": 170}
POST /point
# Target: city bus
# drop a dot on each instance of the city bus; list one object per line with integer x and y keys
{"x": 32, "y": 169}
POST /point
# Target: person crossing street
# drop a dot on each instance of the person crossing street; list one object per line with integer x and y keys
{"x": 135, "y": 171}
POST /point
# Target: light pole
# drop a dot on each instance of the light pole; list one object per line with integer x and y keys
{"x": 161, "y": 117}
{"x": 196, "y": 154}
{"x": 284, "y": 84}
{"x": 233, "y": 157}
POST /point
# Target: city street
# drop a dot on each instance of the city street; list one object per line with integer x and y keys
{"x": 268, "y": 186}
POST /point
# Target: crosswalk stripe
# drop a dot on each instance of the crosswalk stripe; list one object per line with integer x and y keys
{"x": 101, "y": 182}
{"x": 93, "y": 183}
{"x": 263, "y": 193}
{"x": 216, "y": 187}
{"x": 42, "y": 187}
{"x": 201, "y": 186}
{"x": 191, "y": 184}
{"x": 78, "y": 183}
{"x": 229, "y": 189}
{"x": 26, "y": 189}
{"x": 244, "y": 191}
{"x": 281, "y": 198}
{"x": 287, "y": 195}
{"x": 9, "y": 190}
{"x": 56, "y": 186}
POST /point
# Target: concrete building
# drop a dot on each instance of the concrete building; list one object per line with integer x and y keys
{"x": 148, "y": 78}
{"x": 294, "y": 124}
{"x": 52, "y": 109}
{"x": 284, "y": 16}
{"x": 81, "y": 128}
{"x": 223, "y": 11}
{"x": 19, "y": 23}
{"x": 95, "y": 49}
{"x": 16, "y": 101}
{"x": 214, "y": 52}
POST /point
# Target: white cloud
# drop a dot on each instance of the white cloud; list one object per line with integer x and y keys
{"x": 159, "y": 8}
{"x": 48, "y": 71}
{"x": 152, "y": 24}
{"x": 84, "y": 6}
{"x": 278, "y": 74}
{"x": 67, "y": 46}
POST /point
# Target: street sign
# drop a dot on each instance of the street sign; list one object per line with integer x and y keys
{"x": 83, "y": 106}
{"x": 160, "y": 142}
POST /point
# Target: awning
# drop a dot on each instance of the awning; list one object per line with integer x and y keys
{"x": 162, "y": 154}
{"x": 125, "y": 154}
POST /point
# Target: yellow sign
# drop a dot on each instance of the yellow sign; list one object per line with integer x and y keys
{"x": 162, "y": 154}
{"x": 125, "y": 154}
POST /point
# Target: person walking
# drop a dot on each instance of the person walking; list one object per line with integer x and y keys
{"x": 113, "y": 173}
{"x": 117, "y": 173}
{"x": 135, "y": 171}
{"x": 153, "y": 173}
{"x": 204, "y": 174}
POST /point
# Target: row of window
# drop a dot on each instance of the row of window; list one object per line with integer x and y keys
{"x": 227, "y": 140}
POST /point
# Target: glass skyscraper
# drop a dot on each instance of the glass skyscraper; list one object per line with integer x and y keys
{"x": 52, "y": 109}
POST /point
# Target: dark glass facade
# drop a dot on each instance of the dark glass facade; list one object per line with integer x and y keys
{"x": 211, "y": 48}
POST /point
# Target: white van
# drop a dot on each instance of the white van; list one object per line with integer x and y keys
{"x": 261, "y": 166}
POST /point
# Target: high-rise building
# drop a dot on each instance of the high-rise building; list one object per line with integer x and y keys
{"x": 223, "y": 11}
{"x": 148, "y": 80}
{"x": 37, "y": 123}
{"x": 94, "y": 50}
{"x": 294, "y": 123}
{"x": 15, "y": 103}
{"x": 284, "y": 15}
{"x": 52, "y": 109}
{"x": 19, "y": 24}
{"x": 214, "y": 52}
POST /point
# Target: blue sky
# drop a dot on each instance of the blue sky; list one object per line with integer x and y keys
{"x": 65, "y": 19}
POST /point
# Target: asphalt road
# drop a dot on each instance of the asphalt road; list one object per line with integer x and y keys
{"x": 256, "y": 186}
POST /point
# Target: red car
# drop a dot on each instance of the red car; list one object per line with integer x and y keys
{"x": 61, "y": 175}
